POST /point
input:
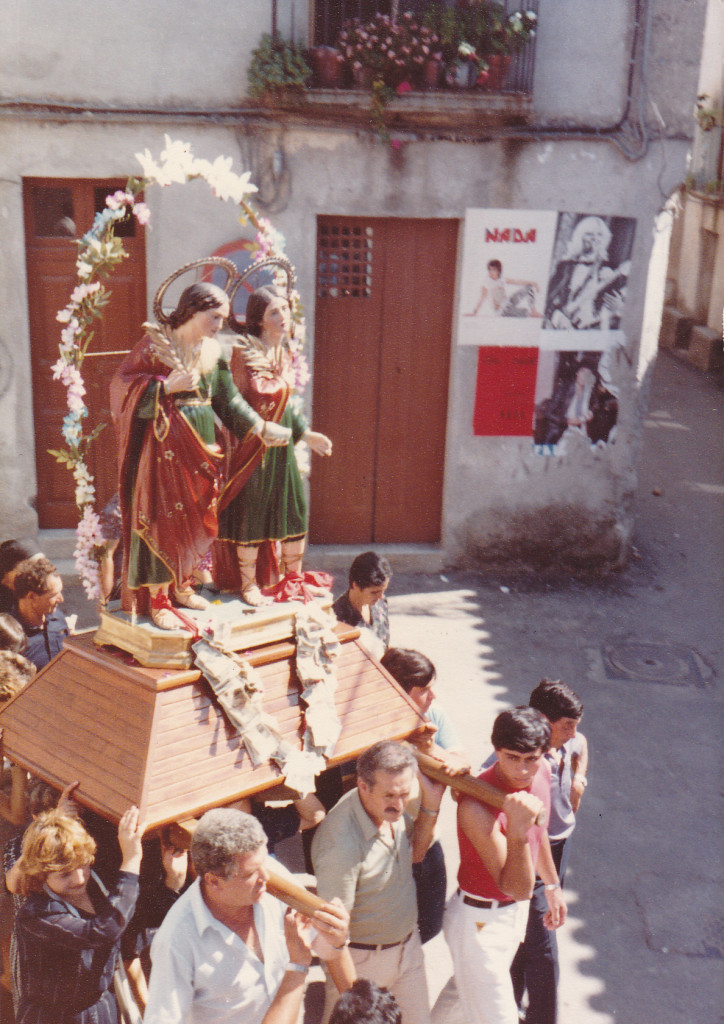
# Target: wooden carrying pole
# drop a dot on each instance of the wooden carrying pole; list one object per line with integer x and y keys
{"x": 466, "y": 784}
{"x": 295, "y": 896}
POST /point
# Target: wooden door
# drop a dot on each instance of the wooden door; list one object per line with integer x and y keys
{"x": 383, "y": 330}
{"x": 57, "y": 212}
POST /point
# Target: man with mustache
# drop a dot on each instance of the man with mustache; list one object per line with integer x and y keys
{"x": 363, "y": 852}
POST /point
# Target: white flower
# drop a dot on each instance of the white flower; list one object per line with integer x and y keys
{"x": 247, "y": 188}
{"x": 178, "y": 160}
{"x": 82, "y": 291}
{"x": 84, "y": 269}
{"x": 148, "y": 165}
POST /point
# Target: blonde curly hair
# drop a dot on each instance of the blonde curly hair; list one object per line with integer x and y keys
{"x": 54, "y": 841}
{"x": 15, "y": 672}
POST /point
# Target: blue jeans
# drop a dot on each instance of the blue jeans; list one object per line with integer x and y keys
{"x": 535, "y": 967}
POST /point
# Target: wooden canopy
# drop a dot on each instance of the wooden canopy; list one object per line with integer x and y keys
{"x": 158, "y": 739}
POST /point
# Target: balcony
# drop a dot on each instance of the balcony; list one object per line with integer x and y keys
{"x": 460, "y": 90}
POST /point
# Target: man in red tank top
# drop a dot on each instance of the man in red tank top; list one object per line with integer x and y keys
{"x": 500, "y": 853}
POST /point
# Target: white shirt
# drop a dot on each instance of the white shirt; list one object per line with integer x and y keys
{"x": 204, "y": 974}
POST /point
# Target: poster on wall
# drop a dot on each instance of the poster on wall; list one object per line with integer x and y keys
{"x": 575, "y": 396}
{"x": 545, "y": 293}
{"x": 505, "y": 391}
{"x": 589, "y": 270}
{"x": 505, "y": 272}
{"x": 545, "y": 279}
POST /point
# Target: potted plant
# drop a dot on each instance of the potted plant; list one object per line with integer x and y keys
{"x": 327, "y": 62}
{"x": 520, "y": 28}
{"x": 394, "y": 51}
{"x": 277, "y": 67}
{"x": 708, "y": 117}
{"x": 507, "y": 36}
{"x": 463, "y": 30}
{"x": 467, "y": 69}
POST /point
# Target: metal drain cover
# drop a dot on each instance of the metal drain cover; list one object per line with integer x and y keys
{"x": 667, "y": 664}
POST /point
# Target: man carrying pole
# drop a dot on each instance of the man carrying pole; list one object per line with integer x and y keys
{"x": 500, "y": 852}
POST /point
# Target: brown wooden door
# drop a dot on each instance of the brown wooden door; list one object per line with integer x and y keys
{"x": 381, "y": 364}
{"x": 57, "y": 212}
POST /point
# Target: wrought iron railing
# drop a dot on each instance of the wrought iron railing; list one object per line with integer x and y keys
{"x": 330, "y": 15}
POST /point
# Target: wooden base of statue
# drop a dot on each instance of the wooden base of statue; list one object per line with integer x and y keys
{"x": 239, "y": 626}
{"x": 156, "y": 737}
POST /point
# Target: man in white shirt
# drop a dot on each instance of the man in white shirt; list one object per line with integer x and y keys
{"x": 228, "y": 950}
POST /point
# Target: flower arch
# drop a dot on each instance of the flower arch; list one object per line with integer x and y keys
{"x": 99, "y": 251}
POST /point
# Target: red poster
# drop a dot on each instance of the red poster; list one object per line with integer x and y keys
{"x": 505, "y": 392}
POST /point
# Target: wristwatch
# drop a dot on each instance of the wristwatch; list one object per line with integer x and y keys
{"x": 301, "y": 968}
{"x": 550, "y": 886}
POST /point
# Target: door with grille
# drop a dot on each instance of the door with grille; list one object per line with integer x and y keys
{"x": 57, "y": 212}
{"x": 383, "y": 324}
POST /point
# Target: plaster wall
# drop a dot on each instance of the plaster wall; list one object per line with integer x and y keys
{"x": 699, "y": 215}
{"x": 130, "y": 52}
{"x": 195, "y": 55}
{"x": 501, "y": 502}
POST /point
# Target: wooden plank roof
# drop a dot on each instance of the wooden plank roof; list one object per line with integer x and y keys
{"x": 158, "y": 739}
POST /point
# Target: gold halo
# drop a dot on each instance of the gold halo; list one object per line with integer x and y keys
{"x": 271, "y": 261}
{"x": 216, "y": 261}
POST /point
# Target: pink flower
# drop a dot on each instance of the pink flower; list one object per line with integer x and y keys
{"x": 142, "y": 213}
{"x": 404, "y": 87}
{"x": 119, "y": 199}
{"x": 68, "y": 333}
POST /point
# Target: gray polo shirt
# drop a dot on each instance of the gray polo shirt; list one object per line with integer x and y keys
{"x": 368, "y": 869}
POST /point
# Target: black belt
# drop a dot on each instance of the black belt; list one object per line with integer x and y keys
{"x": 379, "y": 945}
{"x": 485, "y": 904}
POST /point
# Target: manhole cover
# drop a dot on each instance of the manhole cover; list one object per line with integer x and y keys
{"x": 668, "y": 664}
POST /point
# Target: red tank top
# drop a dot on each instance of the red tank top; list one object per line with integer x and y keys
{"x": 473, "y": 876}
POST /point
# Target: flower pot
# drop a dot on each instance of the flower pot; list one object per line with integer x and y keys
{"x": 327, "y": 66}
{"x": 362, "y": 78}
{"x": 462, "y": 76}
{"x": 431, "y": 74}
{"x": 498, "y": 67}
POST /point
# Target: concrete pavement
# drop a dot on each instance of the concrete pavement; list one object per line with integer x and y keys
{"x": 643, "y": 648}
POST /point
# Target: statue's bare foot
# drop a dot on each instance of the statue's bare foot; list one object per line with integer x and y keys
{"x": 162, "y": 613}
{"x": 253, "y": 596}
{"x": 190, "y": 599}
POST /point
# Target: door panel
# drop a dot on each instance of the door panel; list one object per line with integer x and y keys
{"x": 385, "y": 405}
{"x": 347, "y": 374}
{"x": 57, "y": 212}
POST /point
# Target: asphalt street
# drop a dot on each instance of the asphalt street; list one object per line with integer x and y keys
{"x": 643, "y": 648}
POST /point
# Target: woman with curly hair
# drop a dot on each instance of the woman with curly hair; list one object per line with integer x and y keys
{"x": 68, "y": 930}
